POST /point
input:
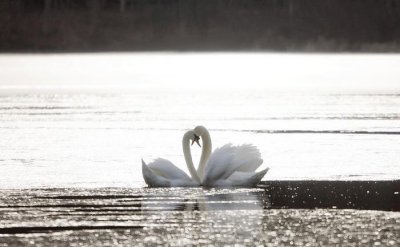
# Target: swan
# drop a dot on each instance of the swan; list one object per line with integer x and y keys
{"x": 228, "y": 165}
{"x": 162, "y": 173}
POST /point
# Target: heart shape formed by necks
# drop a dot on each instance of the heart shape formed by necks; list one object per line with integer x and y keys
{"x": 190, "y": 137}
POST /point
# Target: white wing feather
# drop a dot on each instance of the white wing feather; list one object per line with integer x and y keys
{"x": 249, "y": 157}
{"x": 229, "y": 165}
{"x": 219, "y": 164}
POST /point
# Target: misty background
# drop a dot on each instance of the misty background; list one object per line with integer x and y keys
{"x": 199, "y": 25}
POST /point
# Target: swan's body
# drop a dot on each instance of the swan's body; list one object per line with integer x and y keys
{"x": 162, "y": 173}
{"x": 228, "y": 165}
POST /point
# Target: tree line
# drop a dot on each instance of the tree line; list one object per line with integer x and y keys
{"x": 205, "y": 25}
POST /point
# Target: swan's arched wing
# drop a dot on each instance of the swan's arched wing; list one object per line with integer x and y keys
{"x": 220, "y": 164}
{"x": 166, "y": 169}
{"x": 248, "y": 158}
{"x": 228, "y": 159}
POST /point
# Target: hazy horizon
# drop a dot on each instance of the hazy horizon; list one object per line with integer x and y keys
{"x": 270, "y": 71}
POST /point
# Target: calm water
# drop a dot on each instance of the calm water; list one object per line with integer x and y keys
{"x": 59, "y": 128}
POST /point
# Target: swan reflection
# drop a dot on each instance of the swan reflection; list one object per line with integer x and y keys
{"x": 196, "y": 212}
{"x": 199, "y": 199}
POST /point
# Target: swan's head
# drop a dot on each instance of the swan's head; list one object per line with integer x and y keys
{"x": 200, "y": 130}
{"x": 196, "y": 139}
{"x": 192, "y": 137}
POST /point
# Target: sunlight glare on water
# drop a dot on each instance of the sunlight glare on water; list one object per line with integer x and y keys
{"x": 87, "y": 120}
{"x": 182, "y": 216}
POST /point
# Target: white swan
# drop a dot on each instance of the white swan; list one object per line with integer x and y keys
{"x": 228, "y": 165}
{"x": 162, "y": 173}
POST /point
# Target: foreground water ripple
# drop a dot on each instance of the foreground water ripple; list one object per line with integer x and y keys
{"x": 176, "y": 217}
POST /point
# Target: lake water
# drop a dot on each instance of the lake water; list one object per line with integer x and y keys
{"x": 87, "y": 120}
{"x": 73, "y": 129}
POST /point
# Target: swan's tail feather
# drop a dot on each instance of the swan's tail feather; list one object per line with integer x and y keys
{"x": 152, "y": 179}
{"x": 245, "y": 179}
{"x": 259, "y": 175}
{"x": 147, "y": 173}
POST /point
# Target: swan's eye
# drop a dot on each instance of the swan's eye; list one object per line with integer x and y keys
{"x": 196, "y": 139}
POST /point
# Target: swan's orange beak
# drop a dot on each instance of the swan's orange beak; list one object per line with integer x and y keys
{"x": 196, "y": 139}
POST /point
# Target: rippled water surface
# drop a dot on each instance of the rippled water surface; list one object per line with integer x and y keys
{"x": 98, "y": 139}
{"x": 181, "y": 217}
{"x": 87, "y": 120}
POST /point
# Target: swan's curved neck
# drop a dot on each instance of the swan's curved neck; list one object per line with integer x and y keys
{"x": 205, "y": 153}
{"x": 188, "y": 156}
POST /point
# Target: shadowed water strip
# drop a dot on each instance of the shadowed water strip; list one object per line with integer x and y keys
{"x": 47, "y": 229}
{"x": 365, "y": 195}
